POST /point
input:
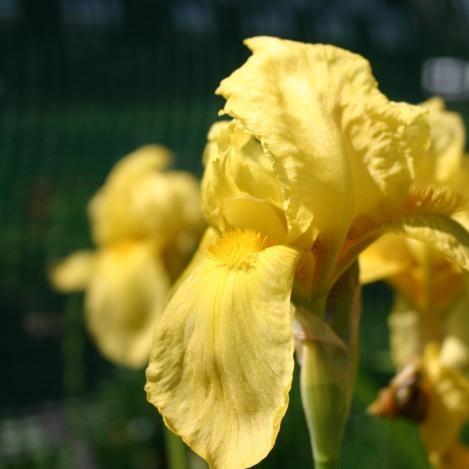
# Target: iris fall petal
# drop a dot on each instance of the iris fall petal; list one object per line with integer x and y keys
{"x": 74, "y": 272}
{"x": 124, "y": 300}
{"x": 222, "y": 357}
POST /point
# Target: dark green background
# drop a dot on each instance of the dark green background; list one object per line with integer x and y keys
{"x": 82, "y": 83}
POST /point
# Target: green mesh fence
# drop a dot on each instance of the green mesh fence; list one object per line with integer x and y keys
{"x": 82, "y": 83}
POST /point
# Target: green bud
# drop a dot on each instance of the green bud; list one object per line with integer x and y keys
{"x": 328, "y": 367}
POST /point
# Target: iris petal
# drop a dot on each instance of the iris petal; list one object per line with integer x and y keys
{"x": 240, "y": 188}
{"x": 139, "y": 200}
{"x": 447, "y": 144}
{"x": 387, "y": 256}
{"x": 124, "y": 299}
{"x": 74, "y": 272}
{"x": 340, "y": 148}
{"x": 222, "y": 359}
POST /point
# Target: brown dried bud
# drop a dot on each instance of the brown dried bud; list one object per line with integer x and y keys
{"x": 405, "y": 397}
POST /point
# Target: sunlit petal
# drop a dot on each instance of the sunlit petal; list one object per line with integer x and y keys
{"x": 209, "y": 237}
{"x": 240, "y": 188}
{"x": 222, "y": 358}
{"x": 340, "y": 148}
{"x": 447, "y": 144}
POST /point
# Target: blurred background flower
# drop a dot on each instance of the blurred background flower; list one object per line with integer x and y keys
{"x": 83, "y": 82}
{"x": 428, "y": 323}
{"x": 145, "y": 223}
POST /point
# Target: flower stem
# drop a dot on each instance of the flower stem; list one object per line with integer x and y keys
{"x": 325, "y": 402}
{"x": 176, "y": 450}
{"x": 331, "y": 464}
{"x": 328, "y": 345}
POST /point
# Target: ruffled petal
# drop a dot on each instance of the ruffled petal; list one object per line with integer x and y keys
{"x": 340, "y": 148}
{"x": 442, "y": 233}
{"x": 250, "y": 167}
{"x": 222, "y": 357}
{"x": 460, "y": 184}
{"x": 74, "y": 272}
{"x": 448, "y": 139}
{"x": 240, "y": 188}
{"x": 124, "y": 300}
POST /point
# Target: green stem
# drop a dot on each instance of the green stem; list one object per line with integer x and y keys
{"x": 328, "y": 366}
{"x": 324, "y": 396}
{"x": 331, "y": 464}
{"x": 176, "y": 451}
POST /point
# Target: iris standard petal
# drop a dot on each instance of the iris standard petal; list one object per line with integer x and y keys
{"x": 448, "y": 139}
{"x": 139, "y": 200}
{"x": 340, "y": 148}
{"x": 240, "y": 189}
{"x": 109, "y": 208}
{"x": 74, "y": 272}
{"x": 124, "y": 300}
{"x": 141, "y": 161}
{"x": 222, "y": 358}
{"x": 251, "y": 168}
{"x": 167, "y": 205}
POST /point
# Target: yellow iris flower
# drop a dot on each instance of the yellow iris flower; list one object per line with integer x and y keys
{"x": 426, "y": 283}
{"x": 146, "y": 222}
{"x": 314, "y": 165}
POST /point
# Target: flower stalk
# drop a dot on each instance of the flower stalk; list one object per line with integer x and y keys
{"x": 324, "y": 403}
{"x": 328, "y": 368}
